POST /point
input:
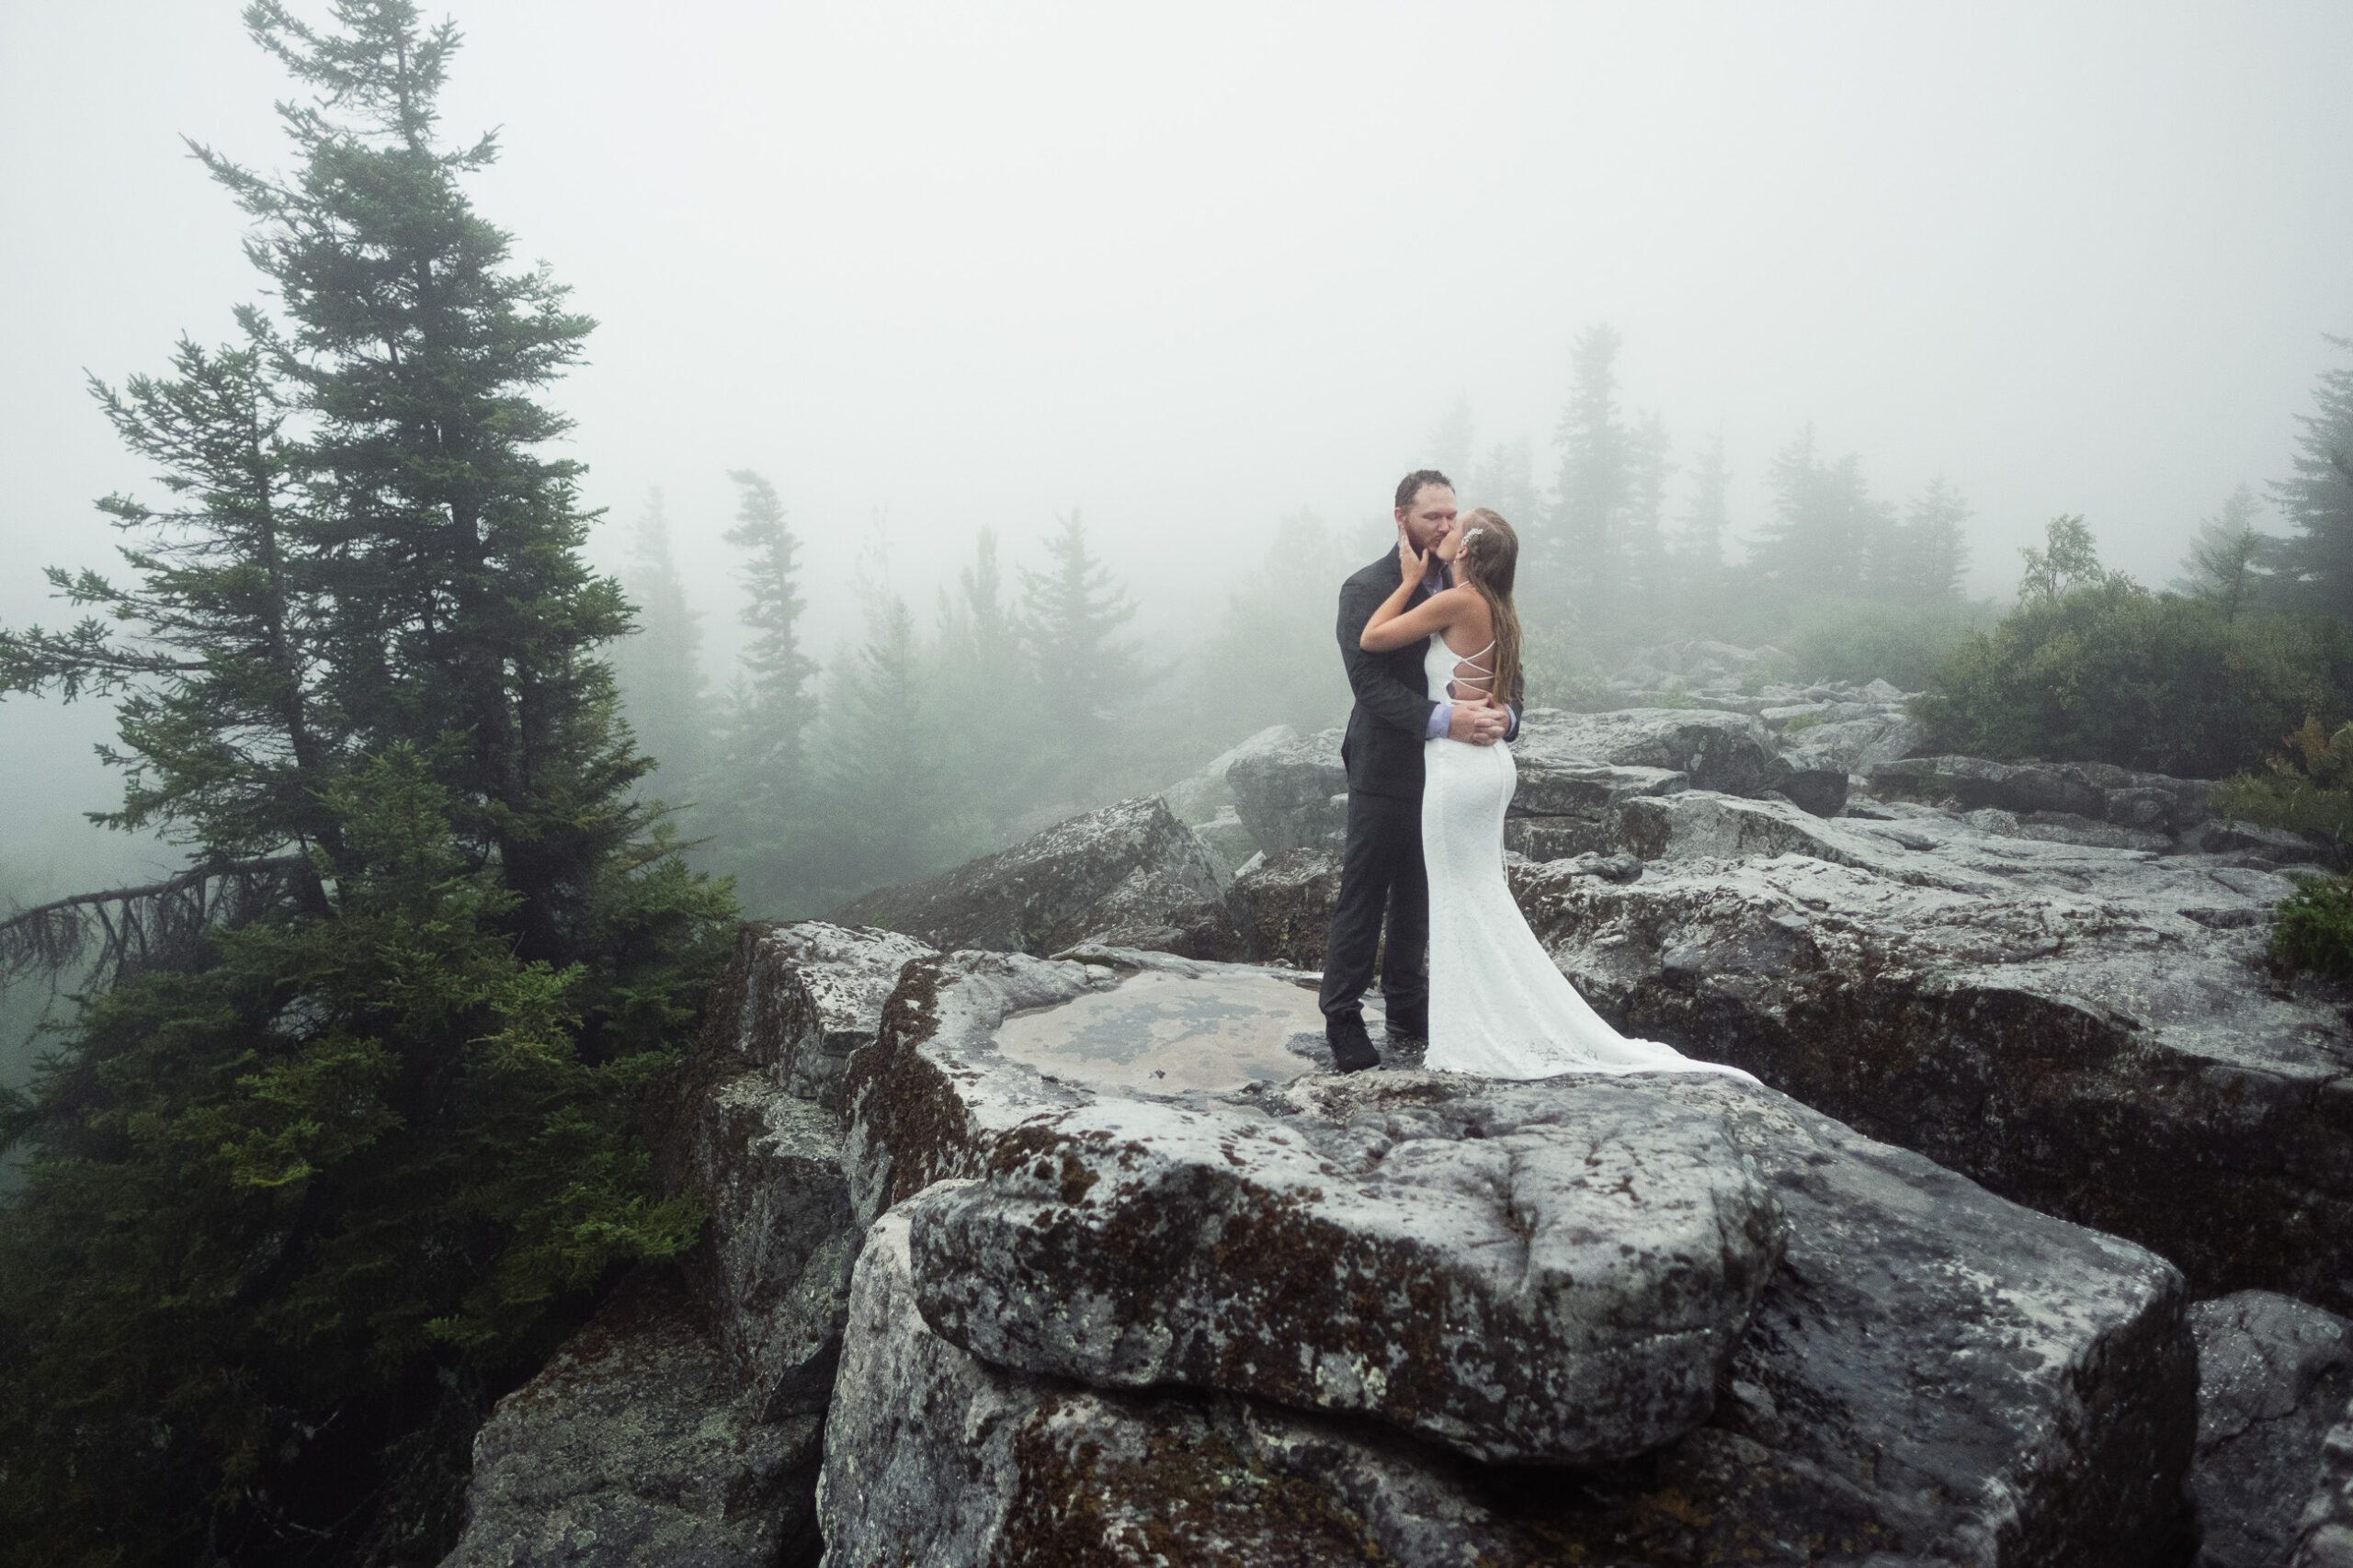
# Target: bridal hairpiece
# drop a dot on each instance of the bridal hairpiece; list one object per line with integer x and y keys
{"x": 1472, "y": 533}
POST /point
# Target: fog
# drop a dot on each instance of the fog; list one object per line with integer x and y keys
{"x": 935, "y": 269}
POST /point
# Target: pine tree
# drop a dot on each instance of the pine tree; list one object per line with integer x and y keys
{"x": 1709, "y": 516}
{"x": 1580, "y": 549}
{"x": 988, "y": 711}
{"x": 2315, "y": 565}
{"x": 1506, "y": 481}
{"x": 1827, "y": 533}
{"x": 1649, "y": 575}
{"x": 891, "y": 811}
{"x": 1070, "y": 616}
{"x": 755, "y": 794}
{"x": 2228, "y": 563}
{"x": 659, "y": 667}
{"x": 356, "y": 1118}
{"x": 1932, "y": 550}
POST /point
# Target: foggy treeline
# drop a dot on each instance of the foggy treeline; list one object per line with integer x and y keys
{"x": 1023, "y": 691}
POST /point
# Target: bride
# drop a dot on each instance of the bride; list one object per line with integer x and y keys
{"x": 1498, "y": 1006}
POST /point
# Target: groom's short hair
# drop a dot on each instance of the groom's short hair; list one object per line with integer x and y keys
{"x": 1411, "y": 485}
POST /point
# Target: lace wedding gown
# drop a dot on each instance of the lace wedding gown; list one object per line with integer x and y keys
{"x": 1498, "y": 1006}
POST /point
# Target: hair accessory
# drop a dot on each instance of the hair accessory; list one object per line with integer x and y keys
{"x": 1472, "y": 533}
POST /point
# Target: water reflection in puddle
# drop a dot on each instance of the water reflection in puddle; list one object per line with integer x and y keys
{"x": 1168, "y": 1032}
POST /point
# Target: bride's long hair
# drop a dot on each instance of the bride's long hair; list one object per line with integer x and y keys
{"x": 1494, "y": 555}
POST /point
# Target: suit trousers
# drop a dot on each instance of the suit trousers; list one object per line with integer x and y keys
{"x": 1381, "y": 869}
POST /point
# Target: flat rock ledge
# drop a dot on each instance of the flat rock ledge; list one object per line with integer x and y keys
{"x": 1930, "y": 1375}
{"x": 1567, "y": 1290}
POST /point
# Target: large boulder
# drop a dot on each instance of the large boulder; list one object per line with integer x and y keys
{"x": 1293, "y": 795}
{"x": 1130, "y": 873}
{"x": 1933, "y": 1375}
{"x": 1731, "y": 752}
{"x": 1854, "y": 743}
{"x": 2153, "y": 801}
{"x": 1568, "y": 1289}
{"x": 1201, "y": 797}
{"x": 1282, "y": 906}
{"x": 2092, "y": 1032}
{"x": 2274, "y": 1375}
{"x": 637, "y": 1443}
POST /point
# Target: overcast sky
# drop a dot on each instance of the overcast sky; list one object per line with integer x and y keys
{"x": 1190, "y": 268}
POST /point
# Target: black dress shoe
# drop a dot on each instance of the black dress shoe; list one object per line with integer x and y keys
{"x": 1410, "y": 1023}
{"x": 1351, "y": 1046}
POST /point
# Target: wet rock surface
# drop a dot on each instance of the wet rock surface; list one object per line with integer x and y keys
{"x": 1565, "y": 1288}
{"x": 1130, "y": 873}
{"x": 2273, "y": 1376}
{"x": 638, "y": 1444}
{"x": 1932, "y": 1373}
{"x": 2087, "y": 1031}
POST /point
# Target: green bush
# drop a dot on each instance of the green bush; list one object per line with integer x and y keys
{"x": 1862, "y": 640}
{"x": 2307, "y": 789}
{"x": 2110, "y": 672}
{"x": 2314, "y": 934}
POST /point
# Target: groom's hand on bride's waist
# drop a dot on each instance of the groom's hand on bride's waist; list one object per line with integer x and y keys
{"x": 1478, "y": 723}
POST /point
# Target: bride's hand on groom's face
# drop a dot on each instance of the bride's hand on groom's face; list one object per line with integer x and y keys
{"x": 1410, "y": 563}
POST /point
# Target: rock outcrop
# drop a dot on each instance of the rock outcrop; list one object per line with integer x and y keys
{"x": 1565, "y": 1290}
{"x": 1932, "y": 1373}
{"x": 2274, "y": 1375}
{"x": 1130, "y": 873}
{"x": 2087, "y": 1031}
{"x": 638, "y": 1443}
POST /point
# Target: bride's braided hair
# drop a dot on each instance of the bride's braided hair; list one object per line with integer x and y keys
{"x": 1493, "y": 550}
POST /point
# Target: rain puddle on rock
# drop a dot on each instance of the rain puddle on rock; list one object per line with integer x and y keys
{"x": 1170, "y": 1032}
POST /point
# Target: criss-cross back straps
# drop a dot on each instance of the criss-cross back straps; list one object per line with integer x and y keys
{"x": 1485, "y": 676}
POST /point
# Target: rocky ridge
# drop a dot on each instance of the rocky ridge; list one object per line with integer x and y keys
{"x": 1082, "y": 1259}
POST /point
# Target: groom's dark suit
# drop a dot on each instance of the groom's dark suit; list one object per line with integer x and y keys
{"x": 1381, "y": 866}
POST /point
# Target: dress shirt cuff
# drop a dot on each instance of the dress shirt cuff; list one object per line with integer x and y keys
{"x": 1440, "y": 717}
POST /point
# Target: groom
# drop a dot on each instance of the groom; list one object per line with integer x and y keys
{"x": 1381, "y": 865}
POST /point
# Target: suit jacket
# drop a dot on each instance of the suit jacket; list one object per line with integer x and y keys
{"x": 1391, "y": 720}
{"x": 1382, "y": 751}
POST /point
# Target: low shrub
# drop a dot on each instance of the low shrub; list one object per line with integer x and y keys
{"x": 2315, "y": 932}
{"x": 2110, "y": 672}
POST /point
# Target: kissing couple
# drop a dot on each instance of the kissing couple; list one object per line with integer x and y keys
{"x": 1432, "y": 646}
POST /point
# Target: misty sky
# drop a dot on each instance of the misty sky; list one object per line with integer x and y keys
{"x": 935, "y": 268}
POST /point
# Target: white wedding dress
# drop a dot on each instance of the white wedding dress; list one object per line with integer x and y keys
{"x": 1498, "y": 1006}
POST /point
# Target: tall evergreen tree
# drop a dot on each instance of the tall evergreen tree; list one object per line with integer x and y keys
{"x": 355, "y": 1123}
{"x": 659, "y": 667}
{"x": 1581, "y": 548}
{"x": 1505, "y": 480}
{"x": 756, "y": 791}
{"x": 1708, "y": 519}
{"x": 1648, "y": 572}
{"x": 2315, "y": 565}
{"x": 1071, "y": 613}
{"x": 1826, "y": 531}
{"x": 988, "y": 711}
{"x": 2229, "y": 562}
{"x": 891, "y": 812}
{"x": 1932, "y": 550}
